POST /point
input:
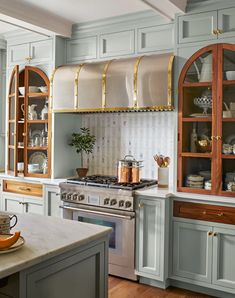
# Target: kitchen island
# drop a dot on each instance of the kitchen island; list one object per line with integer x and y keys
{"x": 60, "y": 258}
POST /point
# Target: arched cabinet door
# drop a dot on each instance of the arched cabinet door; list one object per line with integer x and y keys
{"x": 205, "y": 124}
{"x": 29, "y": 141}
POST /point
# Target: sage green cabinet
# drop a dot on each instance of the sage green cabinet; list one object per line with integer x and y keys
{"x": 226, "y": 22}
{"x": 52, "y": 201}
{"x": 224, "y": 258}
{"x": 150, "y": 238}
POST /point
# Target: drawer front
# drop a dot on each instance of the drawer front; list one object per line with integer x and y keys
{"x": 22, "y": 188}
{"x": 206, "y": 212}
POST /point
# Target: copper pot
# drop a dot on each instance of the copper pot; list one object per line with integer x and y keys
{"x": 129, "y": 170}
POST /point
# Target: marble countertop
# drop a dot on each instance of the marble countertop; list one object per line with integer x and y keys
{"x": 47, "y": 237}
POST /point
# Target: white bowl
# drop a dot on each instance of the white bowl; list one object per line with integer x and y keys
{"x": 22, "y": 90}
{"x": 33, "y": 89}
{"x": 43, "y": 89}
{"x": 230, "y": 75}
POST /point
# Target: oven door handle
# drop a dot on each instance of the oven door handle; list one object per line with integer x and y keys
{"x": 98, "y": 212}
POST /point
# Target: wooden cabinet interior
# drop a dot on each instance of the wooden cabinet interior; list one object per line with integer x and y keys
{"x": 206, "y": 122}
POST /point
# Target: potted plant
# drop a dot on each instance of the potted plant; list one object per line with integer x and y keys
{"x": 83, "y": 142}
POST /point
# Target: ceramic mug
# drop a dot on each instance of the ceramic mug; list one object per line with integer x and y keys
{"x": 5, "y": 223}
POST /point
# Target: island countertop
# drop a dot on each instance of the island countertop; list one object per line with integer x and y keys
{"x": 46, "y": 237}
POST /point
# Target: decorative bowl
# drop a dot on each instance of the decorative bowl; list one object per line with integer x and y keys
{"x": 205, "y": 101}
{"x": 230, "y": 75}
{"x": 204, "y": 146}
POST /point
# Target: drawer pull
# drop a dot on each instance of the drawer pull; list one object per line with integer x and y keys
{"x": 23, "y": 203}
{"x": 220, "y": 214}
{"x": 210, "y": 233}
{"x": 25, "y": 188}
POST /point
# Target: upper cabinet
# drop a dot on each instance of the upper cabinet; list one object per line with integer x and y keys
{"x": 206, "y": 140}
{"x": 30, "y": 53}
{"x": 29, "y": 123}
{"x": 204, "y": 26}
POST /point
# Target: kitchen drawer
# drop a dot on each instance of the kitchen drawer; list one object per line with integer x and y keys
{"x": 206, "y": 212}
{"x": 22, "y": 188}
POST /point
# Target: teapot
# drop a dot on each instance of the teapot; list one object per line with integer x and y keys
{"x": 206, "y": 71}
{"x": 32, "y": 114}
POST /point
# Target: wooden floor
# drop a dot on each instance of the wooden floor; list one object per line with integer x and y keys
{"x": 121, "y": 288}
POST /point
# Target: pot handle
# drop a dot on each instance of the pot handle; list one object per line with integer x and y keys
{"x": 129, "y": 156}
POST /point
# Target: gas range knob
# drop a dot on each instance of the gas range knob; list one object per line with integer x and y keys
{"x": 106, "y": 201}
{"x": 69, "y": 196}
{"x": 75, "y": 196}
{"x": 128, "y": 204}
{"x": 63, "y": 195}
{"x": 121, "y": 203}
{"x": 81, "y": 198}
{"x": 113, "y": 202}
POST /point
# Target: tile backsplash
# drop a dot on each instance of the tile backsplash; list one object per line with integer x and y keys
{"x": 139, "y": 134}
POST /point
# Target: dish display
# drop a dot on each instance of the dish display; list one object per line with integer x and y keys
{"x": 198, "y": 115}
{"x": 19, "y": 243}
{"x": 38, "y": 158}
{"x": 230, "y": 139}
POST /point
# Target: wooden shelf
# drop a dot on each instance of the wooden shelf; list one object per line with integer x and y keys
{"x": 228, "y": 156}
{"x": 229, "y": 82}
{"x": 228, "y": 193}
{"x": 11, "y": 121}
{"x": 37, "y": 121}
{"x": 37, "y": 148}
{"x": 38, "y": 94}
{"x": 195, "y": 119}
{"x": 228, "y": 119}
{"x": 20, "y": 122}
{"x": 12, "y": 95}
{"x": 11, "y": 147}
{"x": 194, "y": 190}
{"x": 20, "y": 147}
{"x": 196, "y": 155}
{"x": 197, "y": 84}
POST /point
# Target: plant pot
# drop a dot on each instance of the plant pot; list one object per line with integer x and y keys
{"x": 82, "y": 172}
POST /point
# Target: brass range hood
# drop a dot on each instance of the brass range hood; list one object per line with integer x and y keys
{"x": 136, "y": 84}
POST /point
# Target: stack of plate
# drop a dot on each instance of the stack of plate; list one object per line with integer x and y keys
{"x": 194, "y": 181}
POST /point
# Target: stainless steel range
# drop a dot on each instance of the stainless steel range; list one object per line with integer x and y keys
{"x": 102, "y": 200}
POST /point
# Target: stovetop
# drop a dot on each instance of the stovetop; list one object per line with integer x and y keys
{"x": 110, "y": 182}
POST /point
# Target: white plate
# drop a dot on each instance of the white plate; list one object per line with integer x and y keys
{"x": 230, "y": 139}
{"x": 19, "y": 243}
{"x": 38, "y": 158}
{"x": 197, "y": 115}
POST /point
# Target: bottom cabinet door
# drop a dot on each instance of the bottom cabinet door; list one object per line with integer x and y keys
{"x": 35, "y": 208}
{"x": 224, "y": 257}
{"x": 149, "y": 239}
{"x": 12, "y": 204}
{"x": 192, "y": 251}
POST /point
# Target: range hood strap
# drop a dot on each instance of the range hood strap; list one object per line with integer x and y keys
{"x": 106, "y": 67}
{"x": 135, "y": 103}
{"x": 170, "y": 79}
{"x": 76, "y": 86}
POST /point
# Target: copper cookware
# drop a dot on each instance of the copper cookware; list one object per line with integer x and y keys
{"x": 129, "y": 170}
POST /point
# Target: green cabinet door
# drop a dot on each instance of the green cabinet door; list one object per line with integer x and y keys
{"x": 192, "y": 251}
{"x": 226, "y": 22}
{"x": 224, "y": 257}
{"x": 150, "y": 238}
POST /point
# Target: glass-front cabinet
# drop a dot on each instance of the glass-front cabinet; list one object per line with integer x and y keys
{"x": 29, "y": 123}
{"x": 206, "y": 122}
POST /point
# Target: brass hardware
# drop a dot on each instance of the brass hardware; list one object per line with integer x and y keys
{"x": 213, "y": 138}
{"x": 24, "y": 134}
{"x": 141, "y": 205}
{"x": 204, "y": 212}
{"x": 210, "y": 233}
{"x": 215, "y": 234}
{"x": 218, "y": 138}
{"x": 76, "y": 86}
{"x": 136, "y": 67}
{"x": 28, "y": 58}
{"x": 215, "y": 32}
{"x": 220, "y": 214}
{"x": 106, "y": 67}
{"x": 24, "y": 188}
{"x": 170, "y": 80}
{"x": 220, "y": 31}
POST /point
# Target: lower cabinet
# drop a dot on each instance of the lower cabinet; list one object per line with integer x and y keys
{"x": 22, "y": 204}
{"x": 151, "y": 248}
{"x": 204, "y": 253}
{"x": 52, "y": 201}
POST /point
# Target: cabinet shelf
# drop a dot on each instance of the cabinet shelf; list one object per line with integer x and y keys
{"x": 11, "y": 121}
{"x": 228, "y": 156}
{"x": 37, "y": 148}
{"x": 196, "y": 155}
{"x": 194, "y": 190}
{"x": 11, "y": 147}
{"x": 38, "y": 94}
{"x": 197, "y": 84}
{"x": 228, "y": 119}
{"x": 12, "y": 95}
{"x": 229, "y": 82}
{"x": 198, "y": 119}
{"x": 37, "y": 121}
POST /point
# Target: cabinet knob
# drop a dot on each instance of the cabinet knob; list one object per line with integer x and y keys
{"x": 220, "y": 214}
{"x": 214, "y": 32}
{"x": 218, "y": 138}
{"x": 141, "y": 205}
{"x": 215, "y": 234}
{"x": 24, "y": 134}
{"x": 210, "y": 233}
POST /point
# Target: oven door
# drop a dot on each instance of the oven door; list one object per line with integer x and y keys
{"x": 122, "y": 238}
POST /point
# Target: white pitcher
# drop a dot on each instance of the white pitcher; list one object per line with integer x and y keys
{"x": 206, "y": 71}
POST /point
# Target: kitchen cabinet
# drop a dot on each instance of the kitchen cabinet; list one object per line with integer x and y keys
{"x": 204, "y": 26}
{"x": 30, "y": 53}
{"x": 29, "y": 128}
{"x": 151, "y": 247}
{"x": 52, "y": 201}
{"x": 206, "y": 90}
{"x": 22, "y": 204}
{"x": 204, "y": 252}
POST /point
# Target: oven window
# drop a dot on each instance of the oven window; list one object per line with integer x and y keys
{"x": 112, "y": 241}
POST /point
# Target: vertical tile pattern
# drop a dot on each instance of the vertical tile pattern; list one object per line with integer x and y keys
{"x": 139, "y": 134}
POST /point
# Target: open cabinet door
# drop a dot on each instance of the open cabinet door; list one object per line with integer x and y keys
{"x": 13, "y": 98}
